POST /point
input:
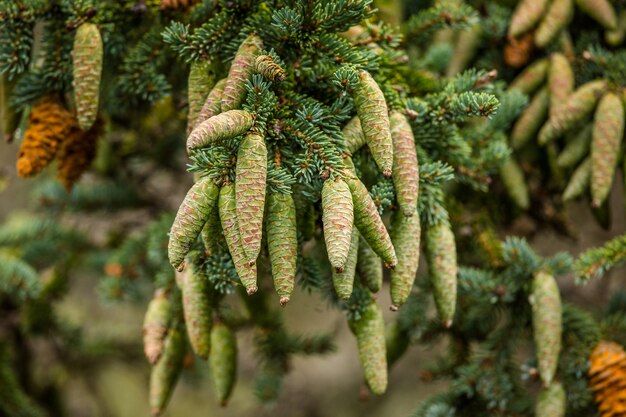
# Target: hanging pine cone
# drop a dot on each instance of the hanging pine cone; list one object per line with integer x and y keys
{"x": 87, "y": 59}
{"x": 607, "y": 378}
{"x": 76, "y": 154}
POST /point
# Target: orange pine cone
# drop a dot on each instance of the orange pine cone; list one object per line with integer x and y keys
{"x": 517, "y": 51}
{"x": 49, "y": 123}
{"x": 607, "y": 378}
{"x": 76, "y": 153}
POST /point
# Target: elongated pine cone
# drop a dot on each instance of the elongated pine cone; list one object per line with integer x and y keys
{"x": 76, "y": 154}
{"x": 607, "y": 378}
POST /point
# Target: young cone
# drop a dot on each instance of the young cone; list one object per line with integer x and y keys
{"x": 374, "y": 117}
{"x": 197, "y": 310}
{"x": 514, "y": 183}
{"x": 607, "y": 378}
{"x": 343, "y": 281}
{"x": 369, "y": 266}
{"x": 557, "y": 17}
{"x": 369, "y": 330}
{"x": 560, "y": 81}
{"x": 240, "y": 70}
{"x": 76, "y": 154}
{"x": 155, "y": 325}
{"x": 250, "y": 184}
{"x": 198, "y": 86}
{"x": 353, "y": 135}
{"x": 577, "y": 148}
{"x": 405, "y": 165}
{"x": 406, "y": 240}
{"x": 211, "y": 233}
{"x": 338, "y": 217}
{"x": 441, "y": 255}
{"x": 546, "y": 306}
{"x": 282, "y": 243}
{"x": 265, "y": 65}
{"x": 528, "y": 124}
{"x": 223, "y": 361}
{"x": 212, "y": 105}
{"x": 87, "y": 70}
{"x": 551, "y": 401}
{"x": 579, "y": 181}
{"x": 219, "y": 127}
{"x": 228, "y": 219}
{"x": 600, "y": 10}
{"x": 608, "y": 130}
{"x": 192, "y": 214}
{"x": 526, "y": 15}
{"x": 165, "y": 373}
{"x": 531, "y": 78}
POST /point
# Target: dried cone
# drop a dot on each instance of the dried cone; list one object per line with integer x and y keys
{"x": 343, "y": 281}
{"x": 442, "y": 262}
{"x": 514, "y": 183}
{"x": 545, "y": 300}
{"x": 607, "y": 378}
{"x": 557, "y": 17}
{"x": 532, "y": 77}
{"x": 223, "y": 360}
{"x": 197, "y": 311}
{"x": 250, "y": 184}
{"x": 155, "y": 325}
{"x": 198, "y": 87}
{"x": 49, "y": 124}
{"x": 212, "y": 105}
{"x": 240, "y": 70}
{"x": 219, "y": 127}
{"x": 353, "y": 135}
{"x": 560, "y": 81}
{"x": 551, "y": 401}
{"x": 406, "y": 240}
{"x": 528, "y": 124}
{"x": 76, "y": 154}
{"x": 369, "y": 266}
{"x": 87, "y": 62}
{"x": 517, "y": 51}
{"x": 374, "y": 117}
{"x": 405, "y": 165}
{"x": 608, "y": 131}
{"x": 579, "y": 182}
{"x": 282, "y": 243}
{"x": 600, "y": 10}
{"x": 165, "y": 373}
{"x": 338, "y": 217}
{"x": 526, "y": 15}
{"x": 199, "y": 203}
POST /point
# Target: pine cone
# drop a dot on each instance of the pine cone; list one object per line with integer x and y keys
{"x": 76, "y": 154}
{"x": 607, "y": 378}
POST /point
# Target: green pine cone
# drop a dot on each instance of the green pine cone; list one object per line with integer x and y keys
{"x": 343, "y": 281}
{"x": 551, "y": 401}
{"x": 557, "y": 17}
{"x": 608, "y": 131}
{"x": 193, "y": 213}
{"x": 371, "y": 107}
{"x": 579, "y": 181}
{"x": 546, "y": 305}
{"x": 601, "y": 11}
{"x": 406, "y": 240}
{"x": 219, "y": 127}
{"x": 465, "y": 50}
{"x": 197, "y": 310}
{"x": 282, "y": 243}
{"x": 228, "y": 219}
{"x": 441, "y": 255}
{"x": 526, "y": 15}
{"x": 405, "y": 164}
{"x": 353, "y": 135}
{"x": 615, "y": 37}
{"x": 87, "y": 71}
{"x": 250, "y": 184}
{"x": 576, "y": 148}
{"x": 528, "y": 124}
{"x": 370, "y": 225}
{"x": 369, "y": 266}
{"x": 200, "y": 82}
{"x": 211, "y": 233}
{"x": 532, "y": 77}
{"x": 337, "y": 217}
{"x": 223, "y": 361}
{"x": 240, "y": 71}
{"x": 560, "y": 81}
{"x": 369, "y": 330}
{"x": 514, "y": 183}
{"x": 578, "y": 106}
{"x": 213, "y": 103}
{"x": 165, "y": 373}
{"x": 156, "y": 323}
{"x": 396, "y": 342}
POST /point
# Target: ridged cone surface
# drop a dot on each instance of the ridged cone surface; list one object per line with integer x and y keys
{"x": 607, "y": 378}
{"x": 250, "y": 184}
{"x": 551, "y": 401}
{"x": 406, "y": 233}
{"x": 442, "y": 264}
{"x": 369, "y": 266}
{"x": 200, "y": 201}
{"x": 600, "y": 10}
{"x": 546, "y": 310}
{"x": 282, "y": 242}
{"x": 531, "y": 119}
{"x": 198, "y": 87}
{"x": 197, "y": 310}
{"x": 560, "y": 81}
{"x": 526, "y": 15}
{"x": 353, "y": 135}
{"x": 87, "y": 70}
{"x": 405, "y": 164}
{"x": 371, "y": 107}
{"x": 211, "y": 233}
{"x": 608, "y": 131}
{"x": 579, "y": 181}
{"x": 219, "y": 127}
{"x": 557, "y": 17}
{"x": 76, "y": 154}
{"x": 240, "y": 71}
{"x": 155, "y": 326}
{"x": 343, "y": 281}
{"x": 514, "y": 183}
{"x": 532, "y": 77}
{"x": 223, "y": 361}
{"x": 338, "y": 218}
{"x": 213, "y": 103}
{"x": 165, "y": 373}
{"x": 267, "y": 67}
{"x": 577, "y": 148}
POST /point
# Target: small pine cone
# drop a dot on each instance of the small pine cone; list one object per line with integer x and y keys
{"x": 155, "y": 325}
{"x": 551, "y": 401}
{"x": 545, "y": 300}
{"x": 282, "y": 242}
{"x": 517, "y": 51}
{"x": 526, "y": 15}
{"x": 265, "y": 65}
{"x": 607, "y": 378}
{"x": 560, "y": 81}
{"x": 87, "y": 64}
{"x": 405, "y": 164}
{"x": 344, "y": 281}
{"x": 514, "y": 183}
{"x": 338, "y": 218}
{"x": 76, "y": 154}
{"x": 576, "y": 148}
{"x": 532, "y": 77}
{"x": 369, "y": 330}
{"x": 223, "y": 361}
{"x": 372, "y": 110}
{"x": 578, "y": 106}
{"x": 369, "y": 266}
{"x": 608, "y": 131}
{"x": 600, "y": 10}
{"x": 199, "y": 84}
{"x": 165, "y": 373}
{"x": 219, "y": 127}
{"x": 197, "y": 310}
{"x": 250, "y": 184}
{"x": 406, "y": 240}
{"x": 528, "y": 124}
{"x": 228, "y": 219}
{"x": 557, "y": 17}
{"x": 442, "y": 262}
{"x": 199, "y": 203}
{"x": 240, "y": 70}
{"x": 49, "y": 124}
{"x": 213, "y": 103}
{"x": 353, "y": 136}
{"x": 579, "y": 182}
